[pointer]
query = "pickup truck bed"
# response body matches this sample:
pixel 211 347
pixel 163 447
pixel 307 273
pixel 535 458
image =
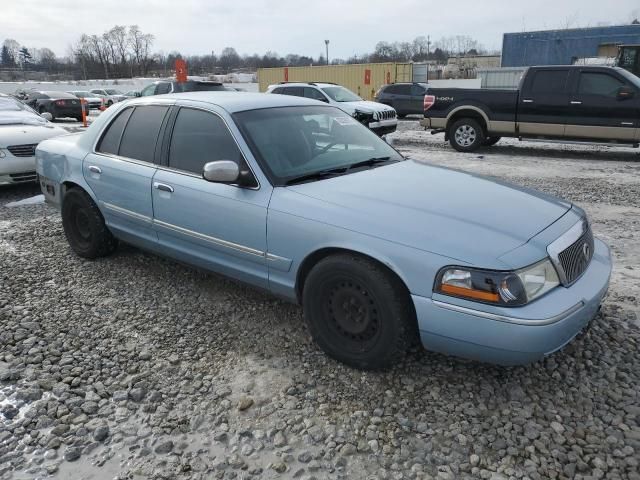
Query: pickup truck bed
pixel 565 103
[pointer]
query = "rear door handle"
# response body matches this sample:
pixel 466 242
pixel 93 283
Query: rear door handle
pixel 94 169
pixel 163 186
pixel 576 102
pixel 526 100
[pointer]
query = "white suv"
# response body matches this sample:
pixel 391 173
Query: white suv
pixel 379 118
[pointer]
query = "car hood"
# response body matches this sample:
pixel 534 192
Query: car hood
pixel 20 134
pixel 466 217
pixel 363 106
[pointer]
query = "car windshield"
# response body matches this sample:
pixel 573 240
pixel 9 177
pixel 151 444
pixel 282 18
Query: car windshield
pixel 114 92
pixel 319 141
pixel 341 94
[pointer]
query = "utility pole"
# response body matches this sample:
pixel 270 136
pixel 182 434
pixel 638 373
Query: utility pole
pixel 326 43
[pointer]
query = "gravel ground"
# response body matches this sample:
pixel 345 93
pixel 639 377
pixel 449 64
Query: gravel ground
pixel 136 367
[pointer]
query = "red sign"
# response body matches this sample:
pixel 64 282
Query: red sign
pixel 286 74
pixel 367 77
pixel 181 70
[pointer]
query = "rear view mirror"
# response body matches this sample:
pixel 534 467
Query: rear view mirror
pixel 47 116
pixel 625 92
pixel 221 171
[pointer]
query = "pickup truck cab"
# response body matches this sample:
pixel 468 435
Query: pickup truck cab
pixel 557 103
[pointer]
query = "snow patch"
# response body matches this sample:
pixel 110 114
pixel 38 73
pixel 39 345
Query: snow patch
pixel 27 201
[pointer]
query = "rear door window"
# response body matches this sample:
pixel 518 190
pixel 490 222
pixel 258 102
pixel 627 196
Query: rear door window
pixel 110 142
pixel 200 137
pixel 549 81
pixel 141 133
pixel 295 91
pixel 164 87
pixel 403 89
pixel 417 91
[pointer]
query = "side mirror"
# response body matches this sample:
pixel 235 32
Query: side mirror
pixel 625 92
pixel 221 171
pixel 47 116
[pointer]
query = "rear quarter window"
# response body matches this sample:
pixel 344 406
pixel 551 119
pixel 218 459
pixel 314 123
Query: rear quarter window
pixel 110 142
pixel 141 133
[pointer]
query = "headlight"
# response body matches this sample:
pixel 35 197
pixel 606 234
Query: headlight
pixel 510 289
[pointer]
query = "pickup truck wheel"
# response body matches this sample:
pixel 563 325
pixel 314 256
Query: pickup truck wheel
pixel 489 141
pixel 357 312
pixel 466 135
pixel 84 226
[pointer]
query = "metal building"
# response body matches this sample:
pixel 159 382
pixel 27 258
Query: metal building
pixel 562 47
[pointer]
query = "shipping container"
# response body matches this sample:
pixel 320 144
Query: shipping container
pixel 363 79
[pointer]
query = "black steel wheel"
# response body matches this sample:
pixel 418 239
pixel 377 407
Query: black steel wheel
pixel 358 312
pixel 84 226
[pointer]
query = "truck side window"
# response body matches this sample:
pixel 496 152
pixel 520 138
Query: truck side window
pixel 549 81
pixel 592 83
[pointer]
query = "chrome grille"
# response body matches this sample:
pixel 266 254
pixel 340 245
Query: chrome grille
pixel 386 114
pixel 571 254
pixel 27 150
pixel 576 258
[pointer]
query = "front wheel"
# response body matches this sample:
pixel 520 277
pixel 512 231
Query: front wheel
pixel 84 226
pixel 357 312
pixel 466 135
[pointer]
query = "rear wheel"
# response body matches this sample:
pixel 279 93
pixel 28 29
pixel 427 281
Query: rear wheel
pixel 357 312
pixel 466 135
pixel 84 226
pixel 489 141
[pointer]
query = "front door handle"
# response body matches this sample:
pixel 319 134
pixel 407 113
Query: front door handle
pixel 163 186
pixel 94 169
pixel 576 102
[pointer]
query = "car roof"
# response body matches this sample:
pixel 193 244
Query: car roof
pixel 233 101
pixel 304 84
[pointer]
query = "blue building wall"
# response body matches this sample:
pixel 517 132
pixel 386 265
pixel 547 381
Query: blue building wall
pixel 560 47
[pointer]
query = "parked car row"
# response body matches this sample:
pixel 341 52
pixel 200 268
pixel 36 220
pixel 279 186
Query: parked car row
pixel 21 129
pixel 381 251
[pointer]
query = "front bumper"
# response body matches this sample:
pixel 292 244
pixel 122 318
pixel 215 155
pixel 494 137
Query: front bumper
pixel 514 336
pixel 383 127
pixel 17 169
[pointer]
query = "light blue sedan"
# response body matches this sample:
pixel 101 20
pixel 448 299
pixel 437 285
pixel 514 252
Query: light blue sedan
pixel 296 197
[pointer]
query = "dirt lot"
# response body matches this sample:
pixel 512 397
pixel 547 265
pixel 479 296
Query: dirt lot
pixel 136 367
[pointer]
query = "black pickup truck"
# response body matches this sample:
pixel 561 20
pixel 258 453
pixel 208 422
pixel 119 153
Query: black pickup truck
pixel 558 103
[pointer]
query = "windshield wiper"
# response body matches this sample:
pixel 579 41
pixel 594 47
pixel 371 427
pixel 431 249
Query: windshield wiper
pixel 332 172
pixel 370 162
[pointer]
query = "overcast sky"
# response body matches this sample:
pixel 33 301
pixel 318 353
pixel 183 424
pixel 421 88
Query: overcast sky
pixel 297 26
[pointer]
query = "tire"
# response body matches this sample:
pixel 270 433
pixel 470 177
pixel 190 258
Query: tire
pixel 466 135
pixel 490 141
pixel 344 286
pixel 84 226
